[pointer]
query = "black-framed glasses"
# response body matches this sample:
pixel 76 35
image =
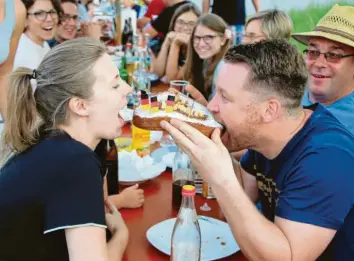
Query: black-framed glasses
pixel 208 39
pixel 42 15
pixel 189 25
pixel 68 17
pixel 330 57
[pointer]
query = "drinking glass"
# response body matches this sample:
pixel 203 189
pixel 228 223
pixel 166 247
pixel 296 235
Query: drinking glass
pixel 179 85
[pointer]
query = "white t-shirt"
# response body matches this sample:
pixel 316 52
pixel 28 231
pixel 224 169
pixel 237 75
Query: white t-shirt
pixel 29 54
pixel 198 3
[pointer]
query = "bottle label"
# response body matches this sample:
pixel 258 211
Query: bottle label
pixel 141 141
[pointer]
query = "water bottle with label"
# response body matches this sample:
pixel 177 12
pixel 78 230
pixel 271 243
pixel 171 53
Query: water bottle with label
pixel 186 237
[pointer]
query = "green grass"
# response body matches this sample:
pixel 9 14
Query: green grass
pixel 306 19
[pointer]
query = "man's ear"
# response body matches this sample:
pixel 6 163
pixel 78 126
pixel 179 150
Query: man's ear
pixel 271 110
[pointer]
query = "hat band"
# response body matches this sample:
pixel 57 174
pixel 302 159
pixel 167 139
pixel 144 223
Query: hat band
pixel 334 31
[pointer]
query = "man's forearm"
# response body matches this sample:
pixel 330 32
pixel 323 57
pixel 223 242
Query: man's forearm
pixel 256 4
pixel 258 238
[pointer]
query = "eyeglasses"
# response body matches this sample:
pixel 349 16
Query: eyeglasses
pixel 330 57
pixel 42 15
pixel 206 39
pixel 67 17
pixel 189 25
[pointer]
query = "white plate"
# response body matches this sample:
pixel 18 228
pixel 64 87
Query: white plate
pixel 127 177
pixel 165 155
pixel 217 239
pixel 130 173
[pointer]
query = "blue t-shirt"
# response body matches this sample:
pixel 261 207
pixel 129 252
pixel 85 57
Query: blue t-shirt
pixel 311 180
pixel 342 109
pixel 52 186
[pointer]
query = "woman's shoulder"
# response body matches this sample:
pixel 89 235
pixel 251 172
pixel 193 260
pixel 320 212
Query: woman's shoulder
pixel 61 143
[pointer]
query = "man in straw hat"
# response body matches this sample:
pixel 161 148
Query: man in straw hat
pixel 330 61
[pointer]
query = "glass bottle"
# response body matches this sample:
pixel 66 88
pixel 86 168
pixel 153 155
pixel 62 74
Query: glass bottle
pixel 186 236
pixel 130 63
pixel 107 153
pixel 182 175
pixel 148 56
pixel 112 168
pixel 141 81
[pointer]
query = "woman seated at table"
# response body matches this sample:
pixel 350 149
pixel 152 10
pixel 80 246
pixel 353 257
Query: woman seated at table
pixel 268 24
pixel 42 19
pixel 210 40
pixel 173 52
pixel 51 192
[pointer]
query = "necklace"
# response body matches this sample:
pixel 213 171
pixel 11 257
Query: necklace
pixel 302 122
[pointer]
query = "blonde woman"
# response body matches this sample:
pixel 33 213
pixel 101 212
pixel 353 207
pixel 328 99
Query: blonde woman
pixel 51 191
pixel 269 24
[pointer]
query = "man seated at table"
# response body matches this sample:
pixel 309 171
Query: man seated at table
pixel 299 162
pixel 67 29
pixel 331 74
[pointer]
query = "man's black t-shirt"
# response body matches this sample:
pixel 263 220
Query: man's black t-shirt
pixel 162 23
pixel 232 11
pixel 52 186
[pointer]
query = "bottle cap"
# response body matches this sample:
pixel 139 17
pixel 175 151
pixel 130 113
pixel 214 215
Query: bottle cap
pixel 188 191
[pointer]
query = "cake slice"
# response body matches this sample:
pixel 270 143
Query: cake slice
pixel 169 105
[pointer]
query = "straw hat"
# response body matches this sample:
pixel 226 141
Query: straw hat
pixel 337 25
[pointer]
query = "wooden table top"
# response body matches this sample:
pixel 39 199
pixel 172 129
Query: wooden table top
pixel 157 208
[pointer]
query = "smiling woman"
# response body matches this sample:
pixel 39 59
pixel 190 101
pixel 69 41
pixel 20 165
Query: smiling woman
pixel 42 19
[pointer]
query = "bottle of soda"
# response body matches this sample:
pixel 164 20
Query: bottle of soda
pixel 186 236
pixel 182 175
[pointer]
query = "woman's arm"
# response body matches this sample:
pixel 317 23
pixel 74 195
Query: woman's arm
pixel 160 63
pixel 7 66
pixel 172 62
pixel 89 242
pixel 173 70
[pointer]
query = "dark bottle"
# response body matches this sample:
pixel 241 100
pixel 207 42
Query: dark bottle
pixel 127 36
pixel 182 175
pixel 107 153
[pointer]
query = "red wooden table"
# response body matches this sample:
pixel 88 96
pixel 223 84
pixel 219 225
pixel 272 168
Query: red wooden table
pixel 157 208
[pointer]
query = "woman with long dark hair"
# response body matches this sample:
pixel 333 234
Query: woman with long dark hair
pixel 208 44
pixel 172 56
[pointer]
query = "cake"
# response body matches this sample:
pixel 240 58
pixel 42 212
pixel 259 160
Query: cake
pixel 169 105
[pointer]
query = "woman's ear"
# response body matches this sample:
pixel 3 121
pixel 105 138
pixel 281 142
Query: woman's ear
pixel 78 106
pixel 223 41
